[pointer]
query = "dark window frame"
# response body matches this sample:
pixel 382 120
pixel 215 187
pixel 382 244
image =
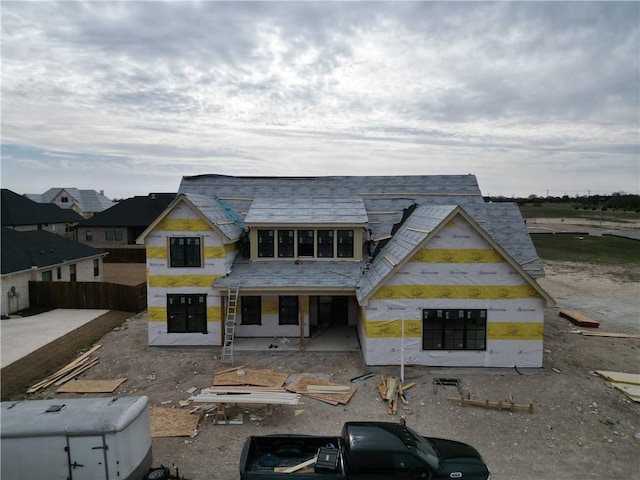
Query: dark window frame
pixel 286 243
pixel 306 243
pixel 345 239
pixel 325 243
pixel 454 329
pixel 266 243
pixel 88 236
pixel 185 252
pixel 288 306
pixel 73 275
pixel 186 317
pixel 58 273
pixel 96 267
pixel 251 310
pixel 47 276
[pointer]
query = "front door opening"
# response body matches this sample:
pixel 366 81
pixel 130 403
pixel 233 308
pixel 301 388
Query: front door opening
pixel 333 310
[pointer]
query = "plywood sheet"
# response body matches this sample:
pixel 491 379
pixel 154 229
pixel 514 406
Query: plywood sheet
pixel 632 391
pixel 579 319
pixel 91 386
pixel 300 386
pixel 173 422
pixel 259 378
pixel 620 377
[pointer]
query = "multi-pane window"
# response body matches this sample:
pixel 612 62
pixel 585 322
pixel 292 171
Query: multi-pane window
pixel 113 234
pixel 251 310
pixel 305 243
pixel 88 235
pixel 186 313
pixel 265 243
pixel 185 252
pixel 72 272
pixel 325 243
pixel 345 243
pixel 58 273
pixel 288 310
pixel 96 267
pixel 454 329
pixel 47 276
pixel 286 243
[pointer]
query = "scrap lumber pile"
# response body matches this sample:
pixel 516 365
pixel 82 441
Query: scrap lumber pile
pixel 627 383
pixel 392 390
pixel 246 395
pixel 81 364
pixel 579 319
pixel 328 392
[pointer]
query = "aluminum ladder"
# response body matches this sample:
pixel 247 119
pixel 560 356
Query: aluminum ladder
pixel 230 325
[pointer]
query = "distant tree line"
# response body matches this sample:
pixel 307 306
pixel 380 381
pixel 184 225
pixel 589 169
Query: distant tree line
pixel 617 201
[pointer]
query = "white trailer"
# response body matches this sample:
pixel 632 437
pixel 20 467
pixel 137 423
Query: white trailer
pixel 76 439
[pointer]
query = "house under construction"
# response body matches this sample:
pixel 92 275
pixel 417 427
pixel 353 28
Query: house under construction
pixel 420 266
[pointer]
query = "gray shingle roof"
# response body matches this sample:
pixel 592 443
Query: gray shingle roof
pixel 88 201
pixel 386 199
pixel 23 250
pixel 305 210
pixel 217 214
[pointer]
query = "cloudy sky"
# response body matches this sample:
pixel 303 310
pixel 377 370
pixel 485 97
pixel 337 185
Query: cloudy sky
pixel 127 97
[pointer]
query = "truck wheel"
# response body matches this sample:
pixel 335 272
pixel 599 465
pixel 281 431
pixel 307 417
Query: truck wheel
pixel 160 473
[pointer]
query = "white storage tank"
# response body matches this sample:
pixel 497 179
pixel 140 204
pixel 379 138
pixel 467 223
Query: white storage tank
pixel 76 439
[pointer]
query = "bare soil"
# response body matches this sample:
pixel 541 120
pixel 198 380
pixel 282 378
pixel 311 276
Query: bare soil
pixel 581 427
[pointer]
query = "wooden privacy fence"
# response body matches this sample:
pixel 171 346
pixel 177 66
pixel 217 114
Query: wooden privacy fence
pixel 99 295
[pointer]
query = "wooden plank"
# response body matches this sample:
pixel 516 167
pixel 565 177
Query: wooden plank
pixel 300 386
pixel 500 405
pixel 392 387
pixel 328 388
pixel 76 372
pixel 579 319
pixel 173 422
pixel 91 386
pixel 610 334
pixel 295 468
pixel 64 370
pixel 307 469
pixel 620 377
pixel 632 391
pixel 262 378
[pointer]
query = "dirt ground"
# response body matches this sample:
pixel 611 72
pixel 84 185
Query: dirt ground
pixel 581 427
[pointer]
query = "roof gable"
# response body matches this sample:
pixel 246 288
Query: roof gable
pixel 208 208
pixel 24 250
pixel 417 232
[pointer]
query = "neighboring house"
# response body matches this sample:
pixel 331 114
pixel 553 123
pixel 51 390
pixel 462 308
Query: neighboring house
pixel 423 269
pixel 22 214
pixel 42 256
pixel 121 224
pixel 85 202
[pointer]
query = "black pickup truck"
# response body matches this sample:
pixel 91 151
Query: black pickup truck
pixel 366 451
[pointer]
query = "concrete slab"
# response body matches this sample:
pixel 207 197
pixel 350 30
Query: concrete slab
pixel 331 339
pixel 21 336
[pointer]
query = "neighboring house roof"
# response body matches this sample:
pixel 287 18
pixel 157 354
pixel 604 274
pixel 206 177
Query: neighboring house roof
pixel 18 210
pixel 88 201
pixel 138 211
pixel 38 248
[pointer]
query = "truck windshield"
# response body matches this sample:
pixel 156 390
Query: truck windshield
pixel 425 450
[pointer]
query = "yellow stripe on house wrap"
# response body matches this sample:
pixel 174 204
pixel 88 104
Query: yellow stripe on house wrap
pixel 215 252
pixel 269 307
pixel 183 224
pixel 156 252
pixel 465 255
pixel 164 281
pixel 515 330
pixel 393 329
pixel 488 292
pixel 159 314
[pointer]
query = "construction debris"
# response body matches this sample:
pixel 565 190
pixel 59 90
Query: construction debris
pixel 447 382
pixel 392 391
pixel 500 405
pixel 579 319
pixel 245 395
pixel 91 386
pixel 328 392
pixel 69 371
pixel 628 383
pixel 245 376
pixel 173 422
